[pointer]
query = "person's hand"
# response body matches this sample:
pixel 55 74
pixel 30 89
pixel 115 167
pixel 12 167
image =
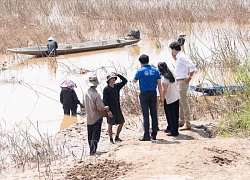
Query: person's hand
pixel 106 108
pixel 161 102
pixel 115 73
pixel 110 114
pixel 187 80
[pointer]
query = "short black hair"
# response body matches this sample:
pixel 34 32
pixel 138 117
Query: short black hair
pixel 175 45
pixel 144 59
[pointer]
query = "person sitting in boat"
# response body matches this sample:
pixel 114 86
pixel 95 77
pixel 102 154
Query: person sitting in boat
pixel 52 46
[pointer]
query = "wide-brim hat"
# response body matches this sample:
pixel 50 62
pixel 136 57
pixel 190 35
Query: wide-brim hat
pixel 93 81
pixel 51 39
pixel 111 76
pixel 68 84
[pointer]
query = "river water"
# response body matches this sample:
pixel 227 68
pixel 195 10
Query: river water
pixel 30 87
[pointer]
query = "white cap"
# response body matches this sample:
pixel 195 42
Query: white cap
pixel 51 39
pixel 182 34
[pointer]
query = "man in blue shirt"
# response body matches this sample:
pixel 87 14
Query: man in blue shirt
pixel 149 78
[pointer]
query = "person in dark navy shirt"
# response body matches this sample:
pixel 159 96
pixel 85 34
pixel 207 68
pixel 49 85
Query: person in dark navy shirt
pixel 149 78
pixel 111 98
pixel 52 47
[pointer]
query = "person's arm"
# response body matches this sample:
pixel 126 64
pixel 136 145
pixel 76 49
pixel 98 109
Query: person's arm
pixel 160 90
pixel 105 96
pixel 164 89
pixel 99 103
pixel 83 100
pixel 76 99
pixel 137 77
pixel 187 62
pixel 61 97
pixel 134 80
pixel 124 81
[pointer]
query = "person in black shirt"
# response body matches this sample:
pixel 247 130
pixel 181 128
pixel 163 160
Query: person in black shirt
pixel 68 97
pixel 111 98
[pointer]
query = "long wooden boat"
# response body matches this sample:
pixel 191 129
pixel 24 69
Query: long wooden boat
pixel 77 47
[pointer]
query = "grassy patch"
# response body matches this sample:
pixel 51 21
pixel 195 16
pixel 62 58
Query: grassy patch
pixel 236 124
pixel 236 121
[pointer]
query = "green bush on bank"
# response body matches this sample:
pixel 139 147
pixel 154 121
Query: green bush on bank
pixel 236 122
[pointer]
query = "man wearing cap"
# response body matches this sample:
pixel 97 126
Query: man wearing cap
pixel 111 98
pixel 184 70
pixel 95 111
pixel 149 78
pixel 52 46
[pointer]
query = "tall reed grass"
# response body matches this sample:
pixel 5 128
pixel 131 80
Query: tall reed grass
pixel 26 23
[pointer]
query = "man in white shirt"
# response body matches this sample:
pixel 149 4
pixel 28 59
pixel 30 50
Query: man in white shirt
pixel 184 71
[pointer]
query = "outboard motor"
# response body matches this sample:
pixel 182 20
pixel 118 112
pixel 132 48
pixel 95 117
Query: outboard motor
pixel 135 34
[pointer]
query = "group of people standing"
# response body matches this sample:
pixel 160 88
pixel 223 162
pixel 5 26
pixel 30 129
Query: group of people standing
pixel 172 87
pixel 95 107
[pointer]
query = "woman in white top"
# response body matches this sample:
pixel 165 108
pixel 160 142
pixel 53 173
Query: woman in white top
pixel 171 99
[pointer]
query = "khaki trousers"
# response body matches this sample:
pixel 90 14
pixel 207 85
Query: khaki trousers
pixel 184 105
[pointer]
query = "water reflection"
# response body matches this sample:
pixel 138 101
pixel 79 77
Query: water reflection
pixel 135 51
pixel 67 121
pixel 30 88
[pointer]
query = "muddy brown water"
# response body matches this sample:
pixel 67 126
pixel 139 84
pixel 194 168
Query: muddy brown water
pixel 30 87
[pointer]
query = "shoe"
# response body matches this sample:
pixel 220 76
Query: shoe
pixel 170 134
pixel 111 141
pixel 184 128
pixel 153 137
pixel 144 139
pixel 181 124
pixel 117 139
pixel 92 153
pixel 166 131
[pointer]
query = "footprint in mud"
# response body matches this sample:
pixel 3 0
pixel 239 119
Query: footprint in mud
pixel 99 169
pixel 223 156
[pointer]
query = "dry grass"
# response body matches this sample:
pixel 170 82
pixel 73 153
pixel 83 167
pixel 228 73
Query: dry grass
pixel 76 21
pixel 27 23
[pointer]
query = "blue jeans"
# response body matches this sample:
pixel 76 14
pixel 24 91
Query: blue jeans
pixel 148 101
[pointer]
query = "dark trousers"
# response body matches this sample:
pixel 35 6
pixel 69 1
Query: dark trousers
pixel 94 133
pixel 167 116
pixel 67 111
pixel 172 115
pixel 148 101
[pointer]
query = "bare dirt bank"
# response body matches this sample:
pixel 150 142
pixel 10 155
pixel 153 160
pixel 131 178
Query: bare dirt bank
pixel 191 155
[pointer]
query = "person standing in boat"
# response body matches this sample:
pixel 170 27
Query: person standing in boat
pixel 111 98
pixel 171 99
pixel 68 97
pixel 52 47
pixel 184 70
